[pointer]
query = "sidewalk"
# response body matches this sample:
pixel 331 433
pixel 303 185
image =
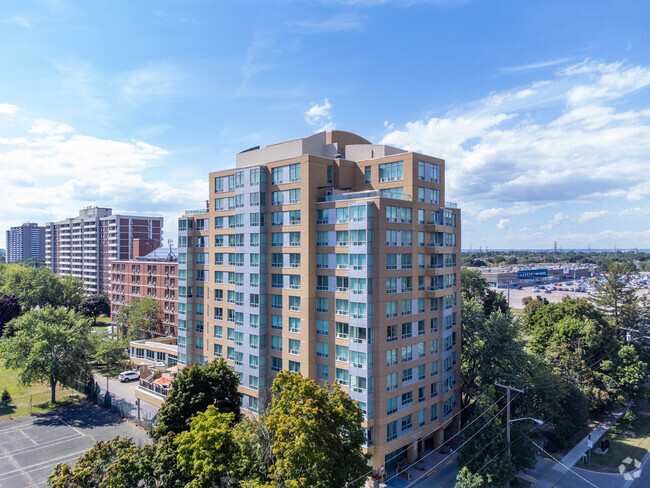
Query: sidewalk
pixel 433 470
pixel 548 476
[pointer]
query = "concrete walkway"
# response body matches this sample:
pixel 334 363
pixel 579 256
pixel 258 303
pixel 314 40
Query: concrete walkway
pixel 550 474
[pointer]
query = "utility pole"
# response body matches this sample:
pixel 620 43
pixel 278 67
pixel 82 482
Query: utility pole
pixel 508 388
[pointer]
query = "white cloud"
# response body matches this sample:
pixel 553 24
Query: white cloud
pixel 48 127
pixel 557 220
pixel 593 215
pixel 319 114
pixel 541 64
pixel 503 224
pixel 65 171
pixel 8 109
pixel 586 148
pixel 337 23
pixel 634 212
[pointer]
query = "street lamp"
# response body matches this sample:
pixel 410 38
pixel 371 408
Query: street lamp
pixel 511 421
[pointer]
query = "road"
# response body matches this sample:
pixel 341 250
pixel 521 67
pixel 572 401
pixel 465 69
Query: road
pixel 126 392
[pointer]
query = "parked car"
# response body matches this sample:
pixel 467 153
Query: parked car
pixel 125 376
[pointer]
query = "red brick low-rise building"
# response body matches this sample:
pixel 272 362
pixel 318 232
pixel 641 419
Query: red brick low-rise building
pixel 151 273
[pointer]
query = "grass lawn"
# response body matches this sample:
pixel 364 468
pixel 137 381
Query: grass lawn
pixel 628 438
pixel 38 393
pixel 103 320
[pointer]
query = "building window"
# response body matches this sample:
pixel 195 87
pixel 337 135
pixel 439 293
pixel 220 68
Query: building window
pixel 368 175
pixel 391 171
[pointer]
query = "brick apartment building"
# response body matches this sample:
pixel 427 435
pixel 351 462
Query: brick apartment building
pixel 339 259
pixel 84 246
pixel 153 273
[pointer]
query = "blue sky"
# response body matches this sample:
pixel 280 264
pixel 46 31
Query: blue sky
pixel 541 109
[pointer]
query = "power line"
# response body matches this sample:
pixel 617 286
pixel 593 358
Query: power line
pixel 560 462
pixel 465 442
pixel 414 443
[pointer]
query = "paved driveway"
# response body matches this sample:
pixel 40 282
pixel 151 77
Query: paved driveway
pixel 126 392
pixel 31 446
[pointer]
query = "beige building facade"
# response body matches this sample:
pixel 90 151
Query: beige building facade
pixel 338 259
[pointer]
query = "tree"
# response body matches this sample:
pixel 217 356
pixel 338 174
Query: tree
pixel 475 287
pixel 560 404
pixel 117 463
pixel 631 373
pixel 486 447
pixel 491 350
pixel 39 287
pixel 617 298
pixel 70 292
pixel 95 305
pixel 317 435
pixel 5 397
pixel 472 284
pixel 195 388
pixel 142 314
pixel 574 320
pixel 466 479
pixel 34 287
pixel 50 345
pixel 108 350
pixel 207 451
pixel 9 309
pixel 255 444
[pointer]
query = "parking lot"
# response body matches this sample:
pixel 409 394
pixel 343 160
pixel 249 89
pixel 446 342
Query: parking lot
pixel 556 296
pixel 31 446
pixel 516 296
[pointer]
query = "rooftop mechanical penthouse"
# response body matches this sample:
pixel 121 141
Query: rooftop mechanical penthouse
pixel 338 259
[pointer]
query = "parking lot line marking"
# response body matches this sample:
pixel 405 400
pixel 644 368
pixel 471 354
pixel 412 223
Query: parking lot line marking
pixel 50 443
pixel 41 464
pixel 76 430
pixel 21 431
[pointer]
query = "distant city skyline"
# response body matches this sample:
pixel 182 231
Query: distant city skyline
pixel 540 109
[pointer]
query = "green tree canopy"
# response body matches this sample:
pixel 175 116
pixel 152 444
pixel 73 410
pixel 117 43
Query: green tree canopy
pixel 9 309
pixel 93 306
pixel 117 463
pixel 207 451
pixel 491 350
pixel 141 315
pixel 576 320
pixel 69 293
pixel 49 345
pixel 39 287
pixel 485 450
pixel 195 388
pixel 466 479
pixel 317 435
pixel 108 350
pixel 617 298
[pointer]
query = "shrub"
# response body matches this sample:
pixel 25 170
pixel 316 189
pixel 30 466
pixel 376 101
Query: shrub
pixel 5 397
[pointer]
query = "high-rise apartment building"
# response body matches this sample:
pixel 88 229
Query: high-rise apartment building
pixel 83 246
pixel 338 259
pixel 25 242
pixel 152 272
